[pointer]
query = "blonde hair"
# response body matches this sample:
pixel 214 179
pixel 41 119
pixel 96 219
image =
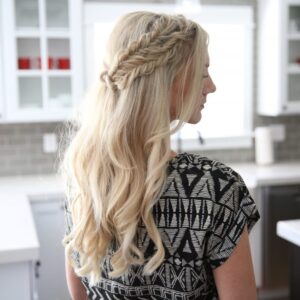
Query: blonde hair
pixel 114 165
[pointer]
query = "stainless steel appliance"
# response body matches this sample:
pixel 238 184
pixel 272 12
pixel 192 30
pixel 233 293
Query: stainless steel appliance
pixel 279 203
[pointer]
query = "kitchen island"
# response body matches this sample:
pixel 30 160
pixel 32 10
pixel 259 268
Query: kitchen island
pixel 290 231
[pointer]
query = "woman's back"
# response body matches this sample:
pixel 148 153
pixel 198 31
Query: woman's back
pixel 200 216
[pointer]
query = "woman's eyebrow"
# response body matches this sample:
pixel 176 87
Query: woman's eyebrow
pixel 207 65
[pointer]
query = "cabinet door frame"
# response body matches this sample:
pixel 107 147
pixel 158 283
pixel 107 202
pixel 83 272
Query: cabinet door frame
pixel 9 57
pixel 287 106
pixel 273 59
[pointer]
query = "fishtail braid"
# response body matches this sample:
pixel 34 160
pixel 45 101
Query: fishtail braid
pixel 151 50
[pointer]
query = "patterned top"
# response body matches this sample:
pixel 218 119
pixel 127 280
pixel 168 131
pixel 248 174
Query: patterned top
pixel 200 216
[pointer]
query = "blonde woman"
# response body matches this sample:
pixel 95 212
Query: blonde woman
pixel 144 222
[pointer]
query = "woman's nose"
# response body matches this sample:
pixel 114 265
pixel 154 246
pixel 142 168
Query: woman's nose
pixel 210 87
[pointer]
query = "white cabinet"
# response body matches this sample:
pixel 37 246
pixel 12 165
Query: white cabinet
pixel 42 58
pixel 1 68
pixel 278 57
pixel 50 277
pixel 16 281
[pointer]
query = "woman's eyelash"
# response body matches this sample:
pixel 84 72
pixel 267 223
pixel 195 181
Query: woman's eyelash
pixel 205 76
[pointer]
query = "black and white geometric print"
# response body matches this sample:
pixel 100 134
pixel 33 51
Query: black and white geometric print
pixel 200 216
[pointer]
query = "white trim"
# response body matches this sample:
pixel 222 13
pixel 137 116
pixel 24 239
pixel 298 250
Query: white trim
pixel 43 52
pixel 35 116
pixel 2 91
pixel 224 14
pixel 105 11
pixel 9 62
pixel 284 58
pixel 234 142
pixel 249 101
pixel 27 33
pixel 76 50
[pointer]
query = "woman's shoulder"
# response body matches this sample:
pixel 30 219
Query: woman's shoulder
pixel 194 163
pixel 221 188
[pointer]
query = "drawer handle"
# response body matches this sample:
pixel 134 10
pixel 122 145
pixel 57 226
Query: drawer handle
pixel 36 269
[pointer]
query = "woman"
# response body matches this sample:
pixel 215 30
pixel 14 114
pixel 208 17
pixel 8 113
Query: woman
pixel 142 221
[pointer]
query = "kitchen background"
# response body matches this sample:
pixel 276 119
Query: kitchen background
pixel 21 150
pixel 32 208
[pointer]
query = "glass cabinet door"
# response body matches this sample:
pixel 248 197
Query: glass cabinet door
pixel 28 54
pixel 59 79
pixel 43 62
pixel 29 80
pixel 294 88
pixel 293 78
pixel 30 92
pixel 42 76
pixel 59 92
pixel 27 14
pixel 57 14
pixel 294 19
pixel 58 54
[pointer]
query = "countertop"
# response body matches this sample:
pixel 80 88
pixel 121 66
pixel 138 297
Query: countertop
pixel 18 238
pixel 276 174
pixel 289 230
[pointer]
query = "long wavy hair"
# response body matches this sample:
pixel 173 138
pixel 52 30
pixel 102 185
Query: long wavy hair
pixel 117 145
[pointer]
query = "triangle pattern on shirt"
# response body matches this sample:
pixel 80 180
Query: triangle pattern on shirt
pixel 191 178
pixel 187 247
pixel 222 183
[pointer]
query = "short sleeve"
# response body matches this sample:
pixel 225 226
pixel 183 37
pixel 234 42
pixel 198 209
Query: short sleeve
pixel 235 209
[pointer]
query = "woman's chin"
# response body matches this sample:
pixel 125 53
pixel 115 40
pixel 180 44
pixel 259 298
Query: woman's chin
pixel 195 119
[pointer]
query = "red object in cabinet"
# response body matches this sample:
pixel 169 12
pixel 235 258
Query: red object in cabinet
pixel 64 63
pixel 50 63
pixel 24 63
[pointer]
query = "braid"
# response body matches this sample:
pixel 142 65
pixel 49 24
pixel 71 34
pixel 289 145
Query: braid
pixel 142 42
pixel 152 50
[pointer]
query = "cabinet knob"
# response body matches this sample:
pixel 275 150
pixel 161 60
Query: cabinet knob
pixel 36 269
